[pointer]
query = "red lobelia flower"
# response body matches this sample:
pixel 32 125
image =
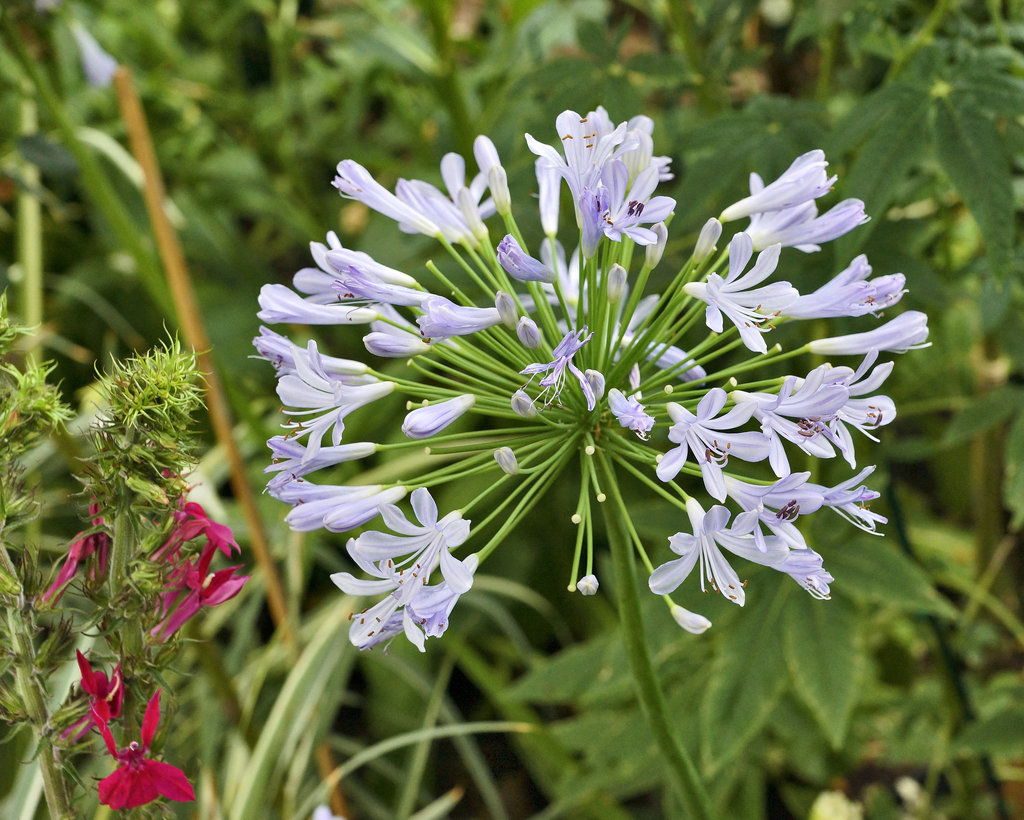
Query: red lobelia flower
pixel 139 780
pixel 105 694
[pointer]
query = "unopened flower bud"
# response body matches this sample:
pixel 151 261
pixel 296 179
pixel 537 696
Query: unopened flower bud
pixel 690 621
pixel 522 405
pixel 520 265
pixel 616 283
pixel 634 377
pixel 506 309
pixel 528 333
pixel 468 208
pixel 426 421
pixel 596 381
pixel 507 460
pixel 497 181
pixel 654 251
pixel 707 240
pixel 587 585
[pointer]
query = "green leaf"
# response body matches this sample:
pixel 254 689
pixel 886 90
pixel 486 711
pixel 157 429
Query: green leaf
pixel 747 677
pixel 971 153
pixel 1001 734
pixel 883 160
pixel 874 569
pixel 982 413
pixel 824 659
pixel 570 674
pixel 1013 481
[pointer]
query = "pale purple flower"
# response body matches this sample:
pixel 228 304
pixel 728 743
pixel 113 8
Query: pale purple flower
pixel 630 413
pixel 805 567
pixel 354 285
pixel 98 66
pixel 849 293
pixel 630 206
pixel 908 331
pixel 776 506
pixel 403 562
pixel 555 380
pixel 315 505
pixel 507 310
pixel 706 438
pixel 520 265
pixel 443 318
pixel 799 413
pixel 590 211
pixel 588 144
pixel 355 182
pixel 640 157
pixel 800 227
pixel 282 352
pixel 315 392
pixel 522 404
pixel 852 501
pixel 394 337
pixel 292 460
pixel 424 422
pixel 862 414
pixel 749 309
pixel 549 181
pixel 282 304
pixel 710 531
pixel 588 585
pixel 803 181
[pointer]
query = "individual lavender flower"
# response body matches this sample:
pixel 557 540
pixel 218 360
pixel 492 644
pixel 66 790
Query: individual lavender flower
pixel 332 506
pixel 849 293
pixel 803 181
pixel 312 389
pixel 292 460
pixel 443 318
pixel 805 567
pixel 528 333
pixel 775 506
pixel 425 422
pixel 520 265
pixel 630 206
pixel 907 331
pixel 354 181
pixel 800 226
pixel 862 414
pixel 704 437
pixel 800 413
pixel 281 304
pixel 630 413
pixel 852 501
pixel 710 531
pixel 555 380
pixel 750 310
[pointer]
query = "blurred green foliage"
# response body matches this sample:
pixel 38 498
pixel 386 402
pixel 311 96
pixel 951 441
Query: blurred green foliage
pixel 910 675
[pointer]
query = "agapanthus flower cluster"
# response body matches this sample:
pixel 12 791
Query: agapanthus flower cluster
pixel 522 363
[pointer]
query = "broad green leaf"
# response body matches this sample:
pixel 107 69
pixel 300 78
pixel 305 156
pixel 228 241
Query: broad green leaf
pixel 569 674
pixel 971 152
pixel 825 660
pixel 1001 734
pixel 982 413
pixel 882 162
pixel 747 677
pixel 875 569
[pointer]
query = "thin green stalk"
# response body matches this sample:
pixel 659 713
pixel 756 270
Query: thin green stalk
pixel 29 689
pixel 681 769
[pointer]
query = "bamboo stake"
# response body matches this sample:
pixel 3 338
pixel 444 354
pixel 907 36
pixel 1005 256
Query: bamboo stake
pixel 191 323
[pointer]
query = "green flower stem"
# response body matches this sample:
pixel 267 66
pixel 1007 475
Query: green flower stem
pixel 121 548
pixel 30 691
pixel 465 266
pixel 533 492
pixel 30 230
pixel 681 770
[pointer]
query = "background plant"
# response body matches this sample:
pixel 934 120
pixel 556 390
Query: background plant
pixel 251 105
